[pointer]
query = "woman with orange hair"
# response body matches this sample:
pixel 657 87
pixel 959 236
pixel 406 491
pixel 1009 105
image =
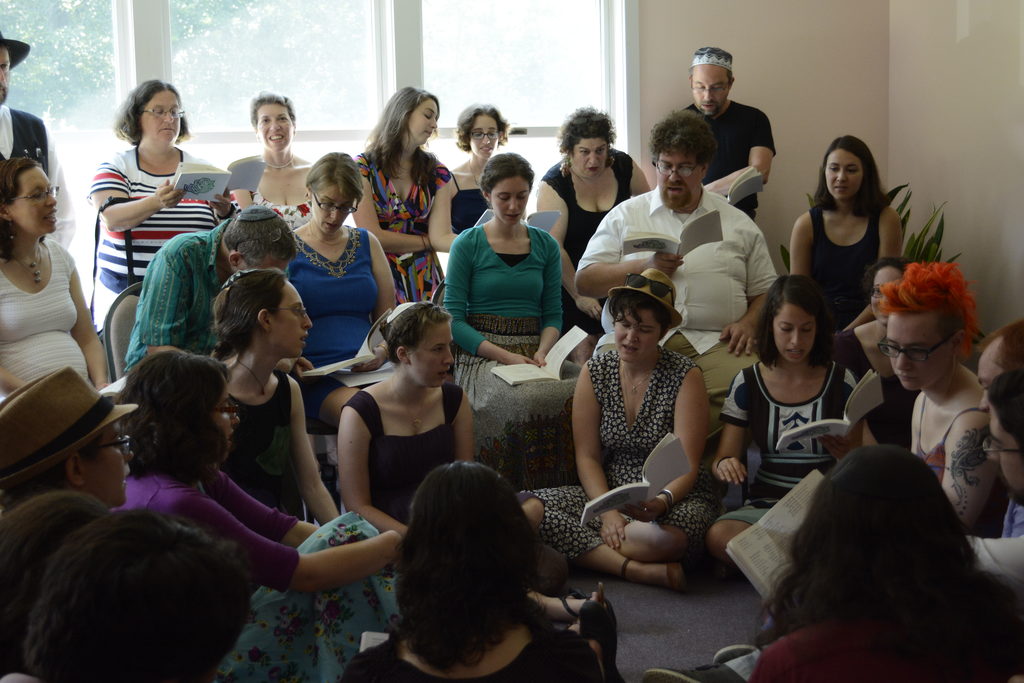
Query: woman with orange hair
pixel 932 321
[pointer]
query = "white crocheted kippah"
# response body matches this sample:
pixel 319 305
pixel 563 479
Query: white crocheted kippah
pixel 715 56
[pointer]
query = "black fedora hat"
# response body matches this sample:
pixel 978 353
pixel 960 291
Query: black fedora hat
pixel 15 48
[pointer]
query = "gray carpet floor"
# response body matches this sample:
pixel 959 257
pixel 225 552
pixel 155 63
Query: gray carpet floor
pixel 660 628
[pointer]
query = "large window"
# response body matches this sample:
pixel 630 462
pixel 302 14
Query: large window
pixel 320 53
pixel 339 60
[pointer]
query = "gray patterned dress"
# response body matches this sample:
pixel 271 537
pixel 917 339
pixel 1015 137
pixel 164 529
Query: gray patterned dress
pixel 625 449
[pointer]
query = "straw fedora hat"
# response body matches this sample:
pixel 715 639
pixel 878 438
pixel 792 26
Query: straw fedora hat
pixel 655 284
pixel 48 419
pixel 16 49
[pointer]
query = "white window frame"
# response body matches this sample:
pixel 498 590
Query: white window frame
pixel 142 31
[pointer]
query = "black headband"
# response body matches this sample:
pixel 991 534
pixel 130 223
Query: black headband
pixel 79 429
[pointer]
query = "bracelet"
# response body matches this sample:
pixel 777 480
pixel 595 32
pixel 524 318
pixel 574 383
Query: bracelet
pixel 426 244
pixel 671 499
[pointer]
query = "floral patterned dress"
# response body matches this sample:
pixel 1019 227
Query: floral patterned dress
pixel 417 273
pixel 625 448
pixel 299 637
pixel 295 216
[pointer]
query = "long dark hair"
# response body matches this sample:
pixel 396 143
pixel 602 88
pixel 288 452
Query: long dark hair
pixel 173 431
pixel 468 560
pixel 881 542
pixel 871 198
pixel 387 139
pixel 804 292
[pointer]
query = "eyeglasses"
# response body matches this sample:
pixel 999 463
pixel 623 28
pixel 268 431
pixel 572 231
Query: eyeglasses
pixel 714 90
pixel 914 353
pixel 40 196
pixel 876 292
pixel 480 135
pixel 330 207
pixel 300 312
pixel 990 445
pixel 161 113
pixel 658 289
pixel 667 169
pixel 228 408
pixel 123 444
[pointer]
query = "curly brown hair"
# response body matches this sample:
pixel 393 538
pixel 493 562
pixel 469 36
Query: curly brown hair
pixel 10 172
pixel 584 123
pixel 173 431
pixel 464 126
pixel 409 328
pixel 684 132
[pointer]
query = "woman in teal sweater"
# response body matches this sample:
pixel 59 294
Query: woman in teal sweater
pixel 503 292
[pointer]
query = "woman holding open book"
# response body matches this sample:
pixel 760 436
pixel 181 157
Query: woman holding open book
pixel 342 275
pixel 626 401
pixel 283 185
pixel 850 226
pixel 134 192
pixel 502 290
pixel 795 382
pixel 259 319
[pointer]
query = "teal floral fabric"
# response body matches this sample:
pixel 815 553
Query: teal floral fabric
pixel 296 637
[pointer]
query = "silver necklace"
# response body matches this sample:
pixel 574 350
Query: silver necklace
pixel 290 162
pixel 32 267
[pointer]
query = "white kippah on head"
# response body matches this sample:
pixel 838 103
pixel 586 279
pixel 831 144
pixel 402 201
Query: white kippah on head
pixel 715 56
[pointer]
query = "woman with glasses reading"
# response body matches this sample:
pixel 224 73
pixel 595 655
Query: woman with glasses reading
pixel 44 321
pixel 849 227
pixel 591 178
pixel 283 185
pixel 343 277
pixel 481 129
pixel 260 320
pixel 183 429
pixel 133 192
pixel 932 323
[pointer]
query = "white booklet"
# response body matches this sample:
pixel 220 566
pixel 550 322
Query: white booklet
pixel 746 184
pixel 703 229
pixel 762 550
pixel 201 181
pixel 524 372
pixel 863 399
pixel 666 462
pixel 246 173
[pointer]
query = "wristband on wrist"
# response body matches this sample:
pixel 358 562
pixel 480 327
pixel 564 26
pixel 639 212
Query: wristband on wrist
pixel 671 499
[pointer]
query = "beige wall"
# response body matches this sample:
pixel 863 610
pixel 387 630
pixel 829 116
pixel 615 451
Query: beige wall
pixel 956 125
pixel 817 68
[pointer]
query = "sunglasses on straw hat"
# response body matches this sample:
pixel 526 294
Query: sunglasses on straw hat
pixel 655 284
pixel 43 422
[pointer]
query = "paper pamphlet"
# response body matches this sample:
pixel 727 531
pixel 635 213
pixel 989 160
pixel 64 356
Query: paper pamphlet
pixel 865 397
pixel 746 184
pixel 518 374
pixel 200 181
pixel 703 229
pixel 246 173
pixel 762 550
pixel 666 462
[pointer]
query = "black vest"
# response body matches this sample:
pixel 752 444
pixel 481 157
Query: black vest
pixel 29 138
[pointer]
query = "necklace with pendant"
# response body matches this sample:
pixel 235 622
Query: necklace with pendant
pixel 32 267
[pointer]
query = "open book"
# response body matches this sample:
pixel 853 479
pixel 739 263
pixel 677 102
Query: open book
pixel 762 550
pixel 703 229
pixel 864 398
pixel 519 374
pixel 246 173
pixel 365 353
pixel 666 462
pixel 746 184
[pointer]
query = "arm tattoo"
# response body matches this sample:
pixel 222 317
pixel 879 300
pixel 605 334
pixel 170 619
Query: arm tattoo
pixel 966 458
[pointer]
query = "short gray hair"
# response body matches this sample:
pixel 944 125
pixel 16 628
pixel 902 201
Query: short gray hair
pixel 257 233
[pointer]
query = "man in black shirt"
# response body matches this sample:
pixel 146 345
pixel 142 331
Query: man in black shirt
pixel 743 133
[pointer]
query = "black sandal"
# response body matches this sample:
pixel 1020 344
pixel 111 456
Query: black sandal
pixel 596 624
